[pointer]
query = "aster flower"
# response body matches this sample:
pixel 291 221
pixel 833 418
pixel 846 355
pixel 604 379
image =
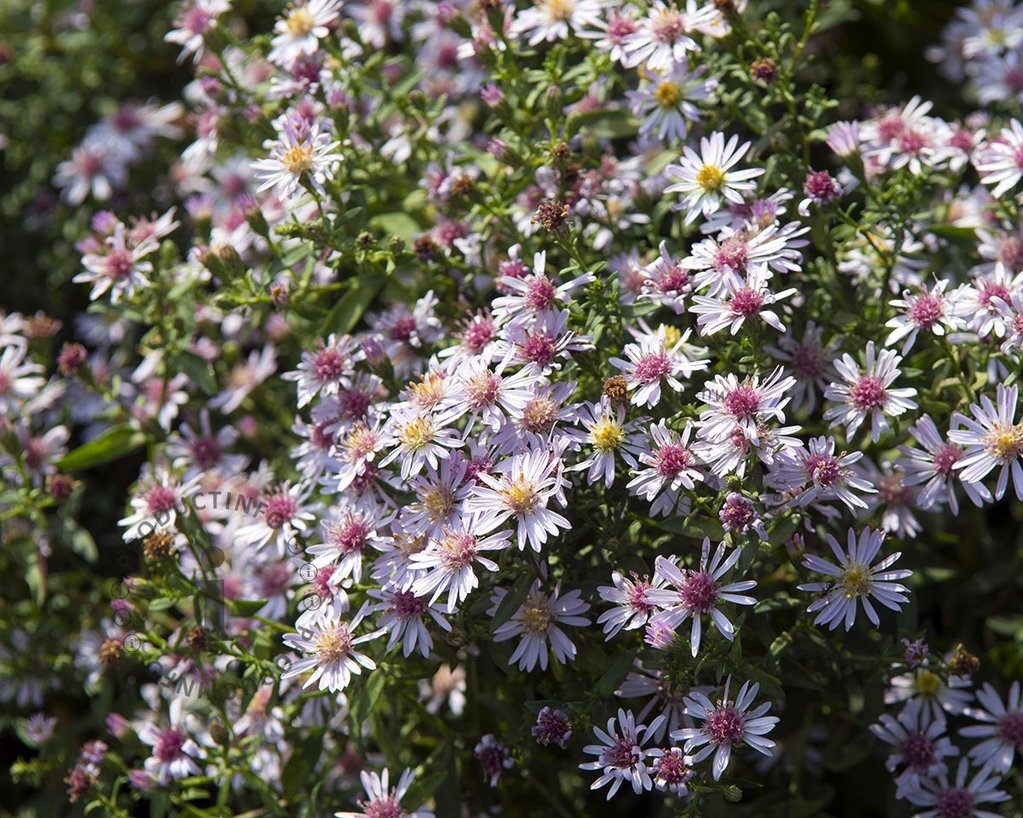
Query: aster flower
pixel 696 593
pixel 919 743
pixel 93 170
pixel 992 438
pixel 244 377
pixel 1000 162
pixel 934 465
pixel 538 623
pixel 300 31
pixel 1001 728
pixel 493 757
pixel 958 799
pixel 326 370
pixel 633 608
pixel 726 725
pixel 733 308
pixel 402 616
pixel 830 476
pixel 708 177
pixel 520 489
pixel 928 310
pixel 328 643
pixel 744 404
pixel 664 35
pixel 620 754
pixel 666 281
pixel 854 578
pixel 301 153
pixel 420 439
pixel 609 436
pixel 20 378
pixel 670 467
pixel 446 564
pixel 346 537
pixel 868 393
pixel 119 267
pixel 552 727
pixel 383 802
pixel 532 294
pixel 654 360
pixel 721 264
pixel 550 20
pixel 175 752
pixel 666 100
pixel 194 20
pixel 950 693
pixel 671 771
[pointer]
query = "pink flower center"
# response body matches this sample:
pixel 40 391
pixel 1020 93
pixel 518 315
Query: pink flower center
pixel 350 535
pixel 912 141
pixel 383 808
pixel 622 755
pixel 205 452
pixel 733 254
pixel 724 725
pixel 808 361
pixel 698 592
pixel 329 364
pixel 672 769
pixel 479 333
pixel 482 390
pixel 820 187
pixel 276 579
pixel 918 752
pixel 539 415
pixel 675 280
pixel 280 508
pixel 867 393
pixel 994 290
pixel 746 302
pixel 403 328
pixel 892 491
pixel 637 597
pixel 673 459
pixel 742 402
pixel 962 139
pixel 652 367
pixel 669 26
pixel 196 20
pixel 160 499
pixel 407 605
pixel 619 28
pixel 737 514
pixel 540 293
pixel 538 349
pixel 459 550
pixel 955 803
pixel 119 264
pixel 926 311
pixel 1010 253
pixel 1011 728
pixel 823 469
pixel 168 746
pixel 946 458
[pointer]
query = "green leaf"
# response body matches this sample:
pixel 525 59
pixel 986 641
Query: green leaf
pixel 83 544
pixel 112 444
pixel 366 695
pixel 245 607
pixel 398 224
pixel 347 312
pixel 615 674
pixel 198 371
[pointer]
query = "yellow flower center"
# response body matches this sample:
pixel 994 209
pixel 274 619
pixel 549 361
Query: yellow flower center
pixel 559 9
pixel 710 178
pixel 438 502
pixel 672 335
pixel 416 434
pixel 607 435
pixel 333 645
pixel 521 497
pixel 535 616
pixel 297 159
pixel 300 22
pixel 668 94
pixel 1005 442
pixel 855 580
pixel 927 684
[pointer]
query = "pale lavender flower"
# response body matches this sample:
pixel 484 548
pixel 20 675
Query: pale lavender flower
pixel 959 799
pixel 708 178
pixel 1001 728
pixel 868 393
pixel 620 754
pixel 992 438
pixel 538 622
pixel 382 801
pixel 919 742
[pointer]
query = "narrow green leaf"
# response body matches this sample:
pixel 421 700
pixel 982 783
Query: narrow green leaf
pixel 112 444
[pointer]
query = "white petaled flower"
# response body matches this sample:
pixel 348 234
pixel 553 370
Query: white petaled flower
pixel 420 439
pixel 446 565
pixel 928 310
pixel 855 579
pixel 935 466
pixel 992 438
pixel 383 802
pixel 521 489
pixel 609 435
pixel 670 467
pixel 747 301
pixel 697 593
pixel 720 264
pixel 746 404
pixel 656 358
pixel 175 752
pixel 537 622
pixel 960 798
pixel 663 37
pixel 20 378
pixel 924 686
pixel 194 20
pixel 119 267
pixel 534 293
pixel 620 754
pixel 666 101
pixel 402 616
pixel 550 20
pixel 633 606
pixel 326 370
pixel 868 393
pixel 708 178
pixel 671 771
pixel 726 725
pixel 300 31
pixel 816 474
pixel 346 539
pixel 919 742
pixel 1001 728
pixel 1000 162
pixel 328 642
pixel 299 154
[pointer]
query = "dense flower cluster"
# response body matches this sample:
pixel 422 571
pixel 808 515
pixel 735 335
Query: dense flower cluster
pixel 519 400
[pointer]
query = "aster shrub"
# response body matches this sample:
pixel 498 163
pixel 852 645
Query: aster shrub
pixel 567 408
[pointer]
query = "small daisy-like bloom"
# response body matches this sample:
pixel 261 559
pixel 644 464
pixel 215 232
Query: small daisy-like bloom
pixel 20 379
pixel 244 377
pixel 821 189
pixel 854 578
pixel 521 490
pixel 671 771
pixel 328 642
pixel 93 170
pixel 928 310
pixel 654 360
pixel 663 37
pixel 175 752
pixel 39 728
pixel 960 799
pixel 195 19
pixel 697 593
pixel 632 604
pixel 119 267
pixel 726 724
pixel 446 565
pixel 345 540
pixel 299 154
pixel 810 360
pixel 156 502
pixel 300 31
pixel 868 393
pixel 992 438
pixel 421 439
pixel 951 694
pixel 620 754
pixel 537 622
pixel 1000 162
pixel 1001 728
pixel 670 467
pixel 920 745
pixel 745 404
pixel 721 264
pixel 383 802
pixel 935 466
pixel 552 20
pixel 666 281
pixel 402 615
pixel 493 757
pixel 326 370
pixel 830 476
pixel 609 435
pixel 552 727
pixel 666 100
pixel 534 293
pixel 285 516
pixel 733 308
pixel 739 514
pixel 709 177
